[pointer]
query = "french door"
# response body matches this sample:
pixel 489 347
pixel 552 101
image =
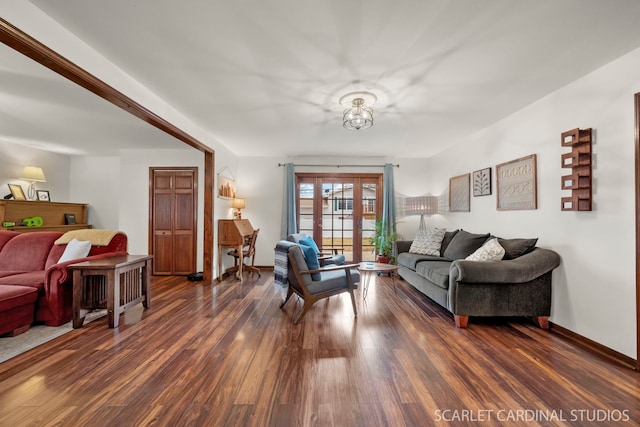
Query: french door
pixel 339 210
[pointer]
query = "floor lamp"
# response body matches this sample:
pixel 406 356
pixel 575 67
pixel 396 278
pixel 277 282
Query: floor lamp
pixel 422 205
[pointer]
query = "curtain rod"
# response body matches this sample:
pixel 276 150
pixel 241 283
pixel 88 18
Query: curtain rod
pixel 340 166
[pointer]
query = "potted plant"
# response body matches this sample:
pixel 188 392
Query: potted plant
pixel 383 240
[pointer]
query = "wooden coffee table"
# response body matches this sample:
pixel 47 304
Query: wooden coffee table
pixel 368 268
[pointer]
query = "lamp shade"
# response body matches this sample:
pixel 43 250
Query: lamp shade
pixel 237 203
pixel 423 205
pixel 32 173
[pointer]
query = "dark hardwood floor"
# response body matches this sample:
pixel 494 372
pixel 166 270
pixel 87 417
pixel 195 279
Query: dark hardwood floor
pixel 225 354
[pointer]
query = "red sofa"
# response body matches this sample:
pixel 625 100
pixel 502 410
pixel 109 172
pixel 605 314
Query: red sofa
pixel 30 260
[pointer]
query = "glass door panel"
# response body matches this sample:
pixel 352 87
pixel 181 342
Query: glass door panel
pixel 305 207
pixel 335 208
pixel 369 210
pixel 337 216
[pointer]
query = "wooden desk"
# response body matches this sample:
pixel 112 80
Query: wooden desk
pixel 121 282
pixel 233 233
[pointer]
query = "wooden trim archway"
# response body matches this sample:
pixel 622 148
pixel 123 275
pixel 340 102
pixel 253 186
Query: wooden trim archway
pixel 636 113
pixel 28 46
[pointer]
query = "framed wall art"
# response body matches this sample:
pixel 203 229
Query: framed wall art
pixel 17 192
pixel 516 184
pixel 459 193
pixel 226 184
pixel 482 182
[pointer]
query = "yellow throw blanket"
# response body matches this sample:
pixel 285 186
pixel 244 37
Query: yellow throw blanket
pixel 96 237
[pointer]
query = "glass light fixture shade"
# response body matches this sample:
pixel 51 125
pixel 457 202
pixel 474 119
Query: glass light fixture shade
pixel 358 116
pixel 33 174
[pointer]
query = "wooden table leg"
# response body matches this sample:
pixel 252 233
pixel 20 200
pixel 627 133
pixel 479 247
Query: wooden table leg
pixel 146 278
pixel 113 298
pixel 78 285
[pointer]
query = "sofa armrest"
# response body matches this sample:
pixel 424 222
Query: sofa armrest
pixel 520 270
pixel 403 246
pixel 59 273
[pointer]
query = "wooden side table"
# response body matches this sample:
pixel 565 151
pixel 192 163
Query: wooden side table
pixel 120 282
pixel 368 268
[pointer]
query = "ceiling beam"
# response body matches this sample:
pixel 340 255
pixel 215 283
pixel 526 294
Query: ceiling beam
pixel 27 45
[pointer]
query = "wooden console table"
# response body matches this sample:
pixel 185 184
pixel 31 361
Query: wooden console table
pixel 120 282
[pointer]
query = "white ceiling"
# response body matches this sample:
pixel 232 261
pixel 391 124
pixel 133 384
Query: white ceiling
pixel 264 76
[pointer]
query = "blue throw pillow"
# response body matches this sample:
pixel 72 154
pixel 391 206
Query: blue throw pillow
pixel 308 241
pixel 311 258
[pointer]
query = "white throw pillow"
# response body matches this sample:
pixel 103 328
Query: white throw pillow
pixel 428 242
pixel 491 250
pixel 75 249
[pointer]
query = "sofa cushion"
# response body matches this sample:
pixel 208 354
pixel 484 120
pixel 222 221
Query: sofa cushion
pixel 15 296
pixel 28 251
pixel 436 272
pixel 517 247
pixel 5 236
pixel 33 279
pixel 333 279
pixel 428 242
pixel 447 239
pixel 491 250
pixel 464 244
pixel 408 260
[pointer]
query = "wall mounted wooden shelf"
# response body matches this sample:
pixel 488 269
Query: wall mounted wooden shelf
pixel 579 161
pixel 52 214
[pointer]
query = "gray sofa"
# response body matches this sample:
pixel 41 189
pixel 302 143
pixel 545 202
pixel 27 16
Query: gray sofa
pixel 517 285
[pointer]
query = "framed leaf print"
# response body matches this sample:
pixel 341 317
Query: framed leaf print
pixel 482 182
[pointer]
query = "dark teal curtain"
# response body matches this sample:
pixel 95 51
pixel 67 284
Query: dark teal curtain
pixel 388 200
pixel 289 225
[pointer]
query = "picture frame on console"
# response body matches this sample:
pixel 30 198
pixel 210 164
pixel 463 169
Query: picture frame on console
pixel 70 219
pixel 43 195
pixel 17 192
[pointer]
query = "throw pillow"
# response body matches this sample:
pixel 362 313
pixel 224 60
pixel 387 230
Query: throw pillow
pixel 308 241
pixel 447 239
pixel 311 258
pixel 489 251
pixel 75 249
pixel 464 244
pixel 428 242
pixel 517 247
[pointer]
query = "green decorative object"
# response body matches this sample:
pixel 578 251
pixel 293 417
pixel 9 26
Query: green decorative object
pixel 34 221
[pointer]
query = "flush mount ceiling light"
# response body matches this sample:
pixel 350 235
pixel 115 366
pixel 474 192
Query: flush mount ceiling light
pixel 359 114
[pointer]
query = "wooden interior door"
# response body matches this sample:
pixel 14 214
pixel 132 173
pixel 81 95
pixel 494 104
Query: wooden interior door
pixel 173 220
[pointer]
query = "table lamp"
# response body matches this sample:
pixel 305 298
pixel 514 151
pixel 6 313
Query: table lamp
pixel 238 204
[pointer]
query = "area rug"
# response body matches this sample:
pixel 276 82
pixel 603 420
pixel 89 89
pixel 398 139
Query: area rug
pixel 38 335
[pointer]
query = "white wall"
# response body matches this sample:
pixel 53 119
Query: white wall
pixel 594 288
pixel 13 159
pixel 96 181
